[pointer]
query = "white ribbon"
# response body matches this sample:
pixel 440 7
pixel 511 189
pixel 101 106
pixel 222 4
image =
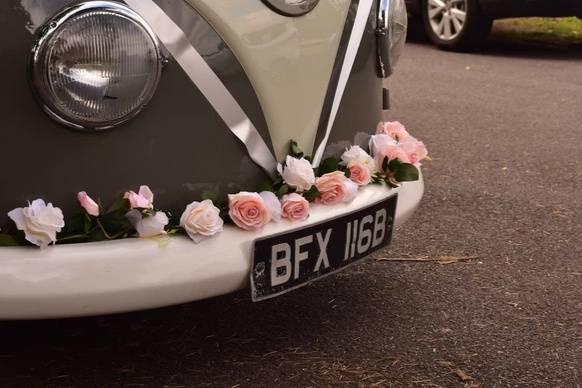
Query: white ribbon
pixel 360 22
pixel 206 81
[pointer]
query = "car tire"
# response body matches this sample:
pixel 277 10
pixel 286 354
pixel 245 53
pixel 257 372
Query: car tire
pixel 456 25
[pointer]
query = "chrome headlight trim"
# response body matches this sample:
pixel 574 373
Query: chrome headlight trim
pixel 392 19
pixel 38 72
pixel 292 7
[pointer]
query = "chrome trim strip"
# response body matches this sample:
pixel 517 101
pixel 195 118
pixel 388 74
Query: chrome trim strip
pixel 384 67
pixel 206 80
pixel 364 9
pixel 383 13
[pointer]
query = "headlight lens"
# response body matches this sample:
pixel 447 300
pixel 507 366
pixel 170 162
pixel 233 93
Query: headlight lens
pixel 96 65
pixel 391 34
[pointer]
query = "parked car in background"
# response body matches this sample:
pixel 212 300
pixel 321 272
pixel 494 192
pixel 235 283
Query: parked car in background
pixel 464 24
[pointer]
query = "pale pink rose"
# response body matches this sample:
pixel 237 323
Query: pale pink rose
pixel 143 199
pixel 394 129
pixel 332 188
pixel 415 150
pixel 377 142
pixel 355 153
pixel 201 220
pixel 40 222
pixel 392 152
pixel 248 210
pixel 295 207
pixel 273 204
pixel 297 173
pixel 351 190
pixel 88 204
pixel 148 226
pixel 360 172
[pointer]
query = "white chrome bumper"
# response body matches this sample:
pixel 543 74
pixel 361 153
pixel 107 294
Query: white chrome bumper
pixel 133 274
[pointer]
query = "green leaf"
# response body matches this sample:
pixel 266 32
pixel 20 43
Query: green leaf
pixel 266 186
pixel 119 206
pixel 278 180
pixel 174 216
pixel 294 150
pixel 72 239
pixel 172 230
pixel 311 194
pixel 406 172
pixel 7 240
pixel 147 212
pixel 97 235
pixel 328 165
pixel 283 190
pixel 347 172
pixel 74 225
pixel 114 224
pixel 393 165
pixel 377 178
pixel 211 195
pixel 87 223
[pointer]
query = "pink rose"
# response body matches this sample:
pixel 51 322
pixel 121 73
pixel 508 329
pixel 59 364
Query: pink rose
pixel 88 204
pixel 360 172
pixel 392 152
pixel 415 150
pixel 143 199
pixel 248 210
pixel 295 207
pixel 335 188
pixel 394 129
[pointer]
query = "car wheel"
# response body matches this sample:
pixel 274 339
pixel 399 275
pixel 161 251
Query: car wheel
pixel 457 25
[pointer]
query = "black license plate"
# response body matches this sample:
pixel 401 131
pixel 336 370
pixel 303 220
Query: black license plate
pixel 290 260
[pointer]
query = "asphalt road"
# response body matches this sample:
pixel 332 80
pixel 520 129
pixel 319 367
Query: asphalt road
pixel 504 127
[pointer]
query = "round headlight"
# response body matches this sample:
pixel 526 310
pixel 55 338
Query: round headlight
pixel 391 32
pixel 95 65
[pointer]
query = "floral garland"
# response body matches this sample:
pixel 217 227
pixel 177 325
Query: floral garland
pixel 394 157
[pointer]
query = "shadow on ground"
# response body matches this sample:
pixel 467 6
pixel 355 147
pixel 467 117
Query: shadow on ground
pixel 219 342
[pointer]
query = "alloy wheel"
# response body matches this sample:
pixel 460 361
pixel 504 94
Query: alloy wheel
pixel 447 17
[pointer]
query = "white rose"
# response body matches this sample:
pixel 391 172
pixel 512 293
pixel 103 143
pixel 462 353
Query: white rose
pixel 273 204
pixel 201 220
pixel 357 154
pixel 40 222
pixel 351 190
pixel 297 173
pixel 377 142
pixel 148 226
